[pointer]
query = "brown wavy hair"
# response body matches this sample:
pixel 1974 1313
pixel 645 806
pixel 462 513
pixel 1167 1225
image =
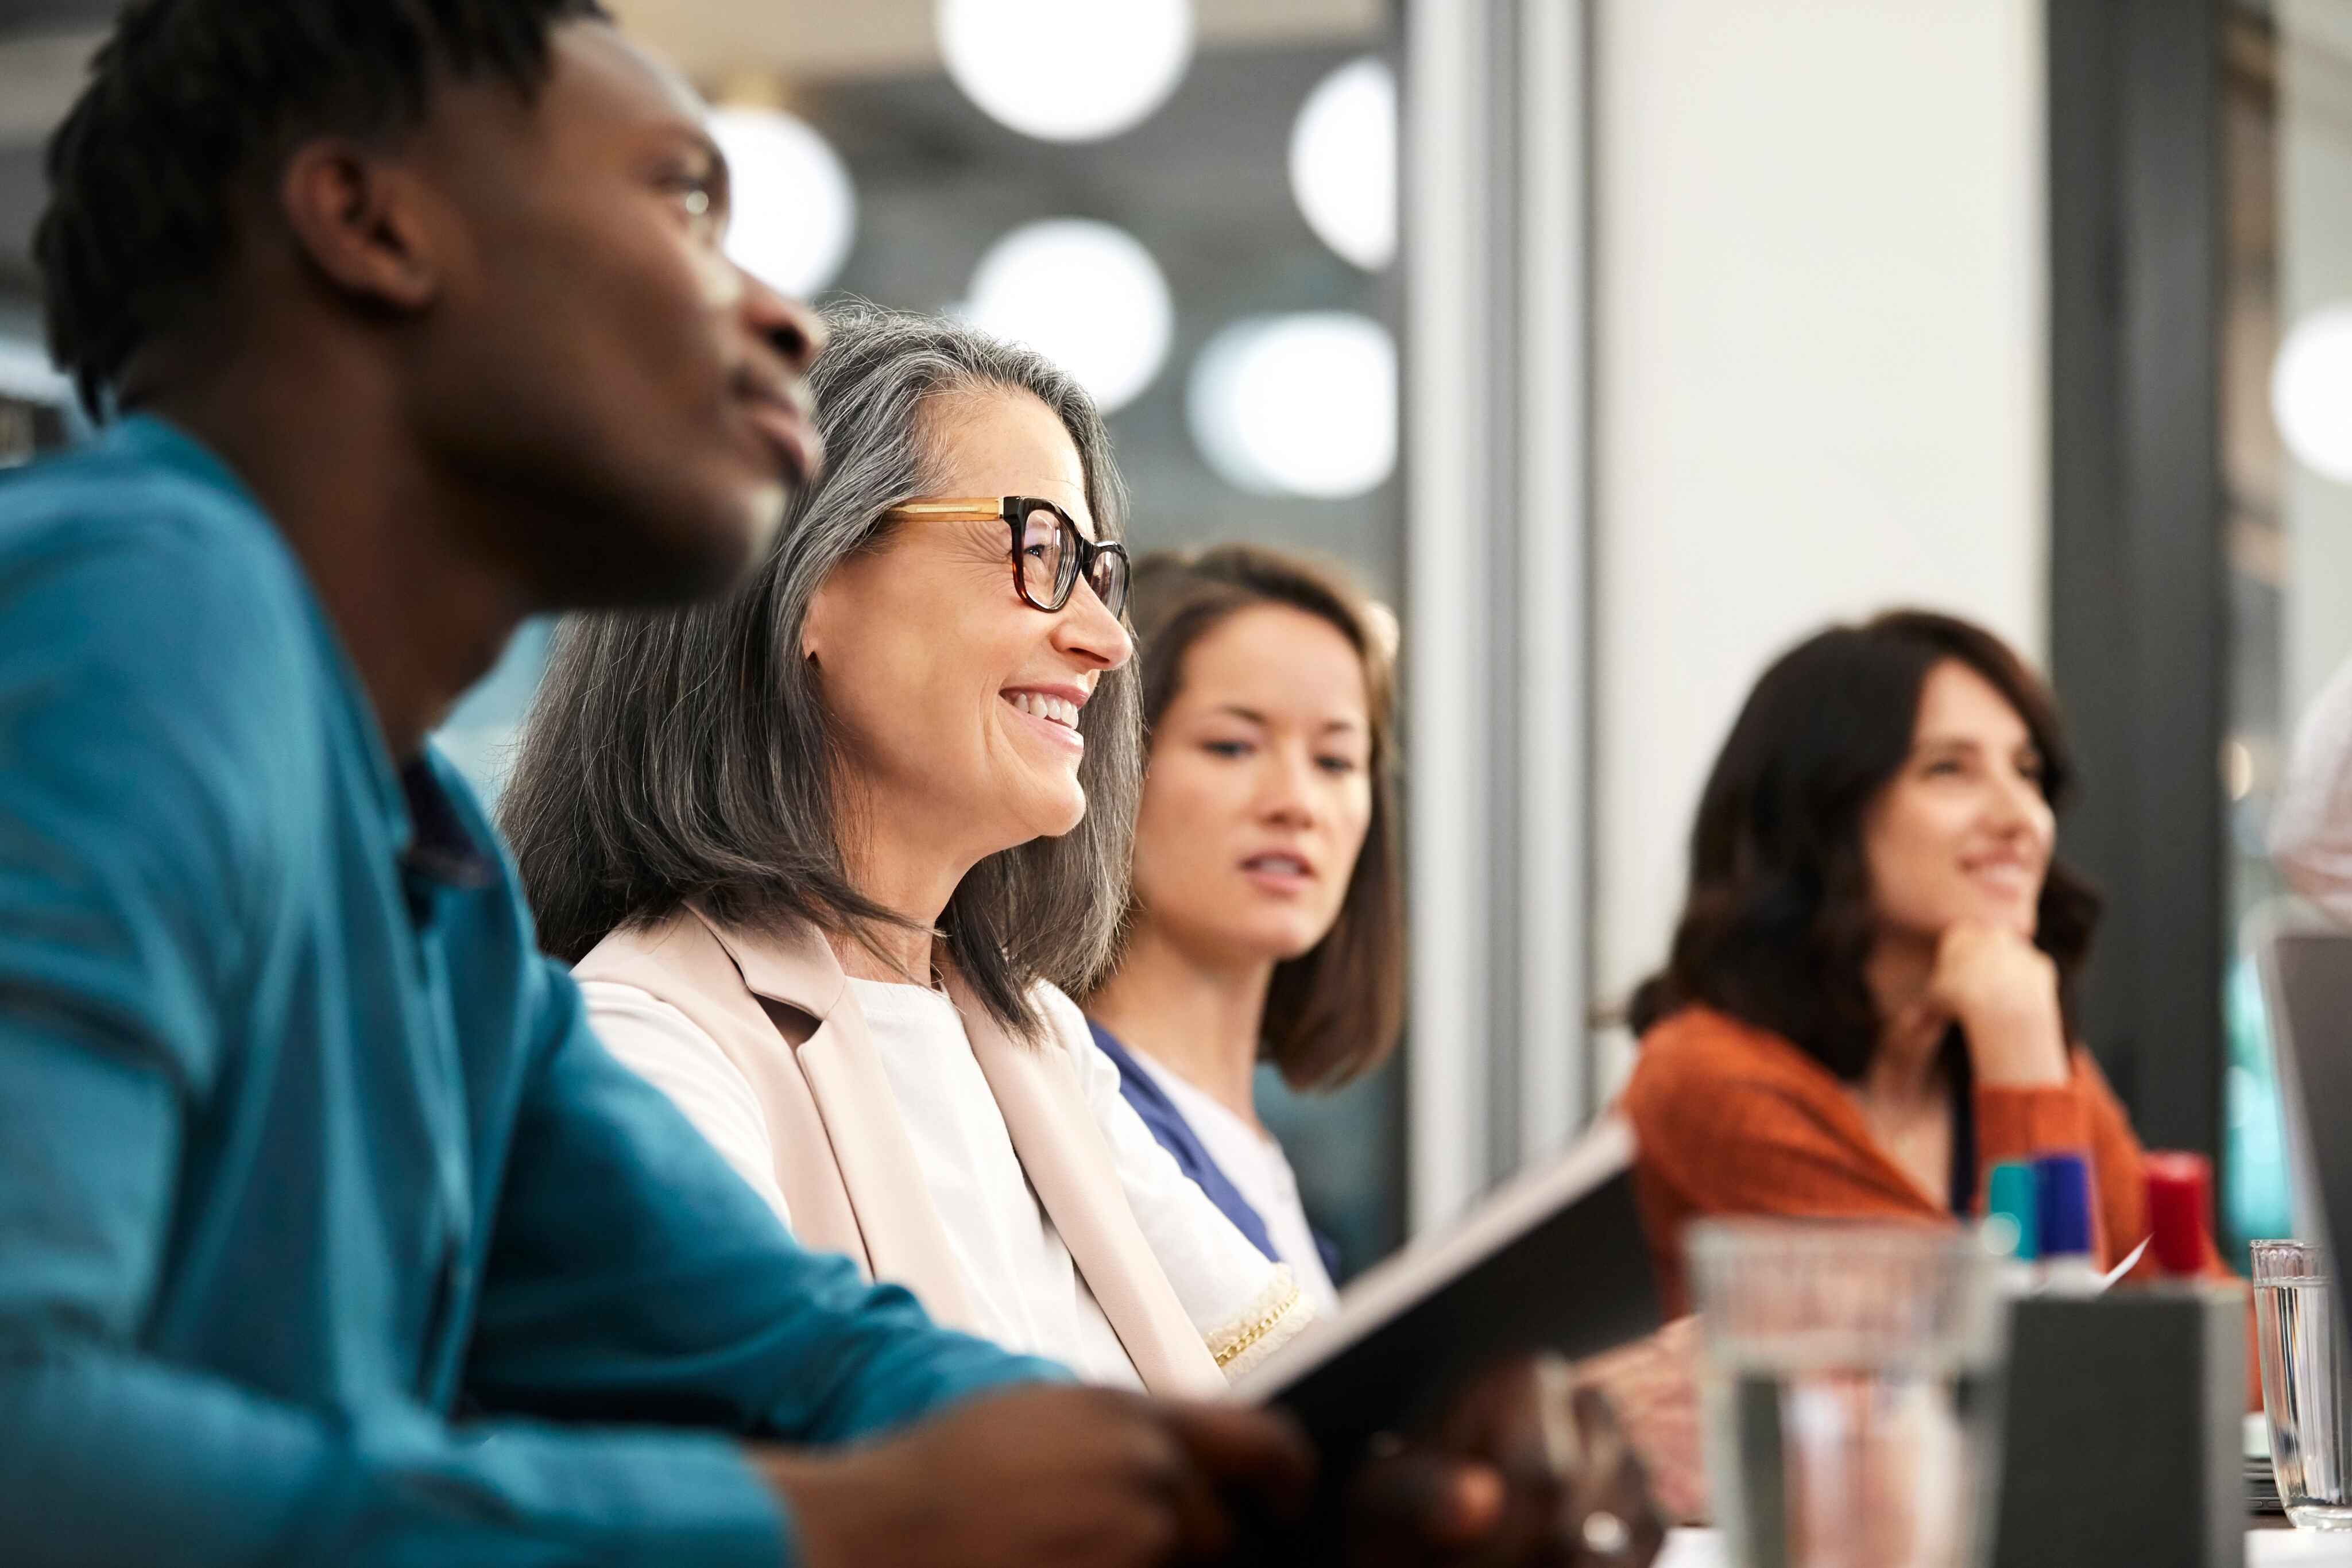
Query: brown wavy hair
pixel 1779 921
pixel 1336 1011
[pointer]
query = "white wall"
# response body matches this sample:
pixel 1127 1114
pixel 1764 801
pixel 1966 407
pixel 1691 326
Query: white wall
pixel 2315 271
pixel 1819 378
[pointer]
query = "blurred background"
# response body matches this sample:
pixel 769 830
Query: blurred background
pixel 1627 343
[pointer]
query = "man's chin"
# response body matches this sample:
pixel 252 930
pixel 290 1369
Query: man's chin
pixel 694 552
pixel 763 519
pixel 738 536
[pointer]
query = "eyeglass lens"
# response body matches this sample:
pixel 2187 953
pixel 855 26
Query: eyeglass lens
pixel 1051 547
pixel 1108 578
pixel 1046 559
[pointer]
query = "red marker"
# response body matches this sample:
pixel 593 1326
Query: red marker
pixel 2179 1211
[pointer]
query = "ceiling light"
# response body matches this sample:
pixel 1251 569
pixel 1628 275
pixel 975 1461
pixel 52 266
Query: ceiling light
pixel 1084 294
pixel 1343 163
pixel 1298 405
pixel 2311 392
pixel 794 211
pixel 1066 70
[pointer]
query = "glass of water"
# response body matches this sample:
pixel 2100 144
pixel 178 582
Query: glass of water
pixel 2296 1332
pixel 1852 1390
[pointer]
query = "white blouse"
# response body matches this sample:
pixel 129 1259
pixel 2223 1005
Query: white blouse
pixel 1029 1296
pixel 1259 1172
pixel 1253 1162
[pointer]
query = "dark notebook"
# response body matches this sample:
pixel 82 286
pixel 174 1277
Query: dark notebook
pixel 1554 1260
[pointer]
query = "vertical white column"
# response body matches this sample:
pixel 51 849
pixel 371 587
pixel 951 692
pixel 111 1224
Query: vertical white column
pixel 1495 592
pixel 1448 514
pixel 1554 1046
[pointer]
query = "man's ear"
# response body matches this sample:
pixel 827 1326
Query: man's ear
pixel 361 219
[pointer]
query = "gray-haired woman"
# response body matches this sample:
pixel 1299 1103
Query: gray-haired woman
pixel 827 855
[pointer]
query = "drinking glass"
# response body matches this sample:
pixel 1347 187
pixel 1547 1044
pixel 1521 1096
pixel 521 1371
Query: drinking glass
pixel 1851 1392
pixel 2299 1338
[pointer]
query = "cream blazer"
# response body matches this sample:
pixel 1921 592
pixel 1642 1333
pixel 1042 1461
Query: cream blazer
pixel 780 1009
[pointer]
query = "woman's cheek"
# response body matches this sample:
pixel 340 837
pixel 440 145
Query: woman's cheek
pixel 1209 805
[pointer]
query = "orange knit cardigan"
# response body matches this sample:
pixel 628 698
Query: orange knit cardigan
pixel 1733 1119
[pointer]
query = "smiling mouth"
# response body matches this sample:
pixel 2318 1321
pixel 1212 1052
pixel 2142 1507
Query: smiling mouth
pixel 2007 876
pixel 1052 709
pixel 1054 719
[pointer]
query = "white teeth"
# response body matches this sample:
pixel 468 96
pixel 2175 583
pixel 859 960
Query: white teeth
pixel 1052 709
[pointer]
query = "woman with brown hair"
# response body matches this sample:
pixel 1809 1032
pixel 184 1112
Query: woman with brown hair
pixel 1869 999
pixel 1266 923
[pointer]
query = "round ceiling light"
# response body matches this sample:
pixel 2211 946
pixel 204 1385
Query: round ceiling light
pixel 793 209
pixel 1066 70
pixel 1343 163
pixel 2311 392
pixel 1086 295
pixel 1298 405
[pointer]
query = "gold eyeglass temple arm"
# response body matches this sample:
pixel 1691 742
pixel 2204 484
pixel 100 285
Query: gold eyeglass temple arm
pixel 952 511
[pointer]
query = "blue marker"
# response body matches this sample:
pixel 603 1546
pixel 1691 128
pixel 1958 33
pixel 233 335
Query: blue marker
pixel 2063 1216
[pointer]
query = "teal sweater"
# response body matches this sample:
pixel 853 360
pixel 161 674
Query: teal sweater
pixel 305 1151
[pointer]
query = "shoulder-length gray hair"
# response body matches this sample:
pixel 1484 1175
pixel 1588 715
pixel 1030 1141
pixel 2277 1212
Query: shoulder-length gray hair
pixel 686 755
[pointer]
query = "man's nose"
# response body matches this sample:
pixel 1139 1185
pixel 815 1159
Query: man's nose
pixel 792 329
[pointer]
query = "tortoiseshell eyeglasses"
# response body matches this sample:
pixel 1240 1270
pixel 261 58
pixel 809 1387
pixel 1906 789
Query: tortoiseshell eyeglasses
pixel 1050 555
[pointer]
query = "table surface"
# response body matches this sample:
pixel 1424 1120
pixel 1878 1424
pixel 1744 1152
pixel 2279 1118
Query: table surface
pixel 2264 1548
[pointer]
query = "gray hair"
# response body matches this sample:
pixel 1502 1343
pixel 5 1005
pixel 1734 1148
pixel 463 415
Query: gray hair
pixel 686 755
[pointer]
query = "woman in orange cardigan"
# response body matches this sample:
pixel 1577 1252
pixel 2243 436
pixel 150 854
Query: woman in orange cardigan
pixel 1868 1002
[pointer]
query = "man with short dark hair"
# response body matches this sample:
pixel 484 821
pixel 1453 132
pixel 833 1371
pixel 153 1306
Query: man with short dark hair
pixel 418 315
